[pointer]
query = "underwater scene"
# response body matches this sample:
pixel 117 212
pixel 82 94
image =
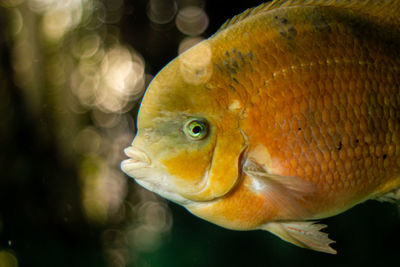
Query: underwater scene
pixel 114 153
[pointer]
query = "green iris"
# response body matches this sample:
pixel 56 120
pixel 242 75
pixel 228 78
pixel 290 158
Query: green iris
pixel 196 129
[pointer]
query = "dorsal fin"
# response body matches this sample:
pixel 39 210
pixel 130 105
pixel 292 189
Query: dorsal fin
pixel 387 11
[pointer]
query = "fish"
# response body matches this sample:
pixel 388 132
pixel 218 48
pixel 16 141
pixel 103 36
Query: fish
pixel 288 114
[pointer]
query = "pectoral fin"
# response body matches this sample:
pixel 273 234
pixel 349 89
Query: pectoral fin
pixel 303 234
pixel 287 193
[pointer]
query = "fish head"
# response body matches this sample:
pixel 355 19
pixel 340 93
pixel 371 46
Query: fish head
pixel 189 144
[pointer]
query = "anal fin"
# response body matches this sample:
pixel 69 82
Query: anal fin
pixel 304 234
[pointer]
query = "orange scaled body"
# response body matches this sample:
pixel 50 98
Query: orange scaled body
pixel 303 103
pixel 325 101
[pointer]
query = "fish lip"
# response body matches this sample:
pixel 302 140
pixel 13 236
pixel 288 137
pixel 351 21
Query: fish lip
pixel 136 154
pixel 137 159
pixel 128 165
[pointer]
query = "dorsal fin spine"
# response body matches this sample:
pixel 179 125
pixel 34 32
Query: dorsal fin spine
pixel 386 10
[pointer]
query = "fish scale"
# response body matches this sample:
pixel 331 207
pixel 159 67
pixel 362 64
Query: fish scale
pixel 302 106
pixel 344 117
pixel 343 73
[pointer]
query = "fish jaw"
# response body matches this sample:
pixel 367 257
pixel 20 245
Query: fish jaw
pixel 165 192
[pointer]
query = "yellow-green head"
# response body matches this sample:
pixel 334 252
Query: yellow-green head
pixel 188 143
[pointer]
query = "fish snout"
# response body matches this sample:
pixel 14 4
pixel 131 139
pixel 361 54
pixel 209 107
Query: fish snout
pixel 137 159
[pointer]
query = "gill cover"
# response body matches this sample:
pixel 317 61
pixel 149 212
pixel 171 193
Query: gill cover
pixel 224 171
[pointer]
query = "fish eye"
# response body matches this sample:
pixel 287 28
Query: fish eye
pixel 196 129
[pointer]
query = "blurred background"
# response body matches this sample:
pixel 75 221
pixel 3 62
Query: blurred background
pixel 72 74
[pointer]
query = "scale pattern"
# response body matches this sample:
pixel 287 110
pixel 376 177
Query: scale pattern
pixel 323 97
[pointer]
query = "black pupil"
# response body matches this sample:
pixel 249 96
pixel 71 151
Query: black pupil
pixel 196 129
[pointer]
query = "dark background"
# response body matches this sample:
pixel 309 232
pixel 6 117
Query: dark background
pixel 59 202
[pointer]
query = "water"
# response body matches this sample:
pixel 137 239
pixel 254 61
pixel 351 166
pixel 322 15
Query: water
pixel 71 78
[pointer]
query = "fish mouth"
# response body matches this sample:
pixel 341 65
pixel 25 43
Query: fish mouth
pixel 138 167
pixel 137 159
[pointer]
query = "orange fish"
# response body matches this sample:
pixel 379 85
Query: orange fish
pixel 288 114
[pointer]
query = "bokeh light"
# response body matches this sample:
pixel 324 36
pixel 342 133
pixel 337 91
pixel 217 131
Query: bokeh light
pixel 196 65
pixel 104 188
pixel 154 221
pixel 192 20
pixel 188 42
pixel 8 259
pixel 161 11
pixel 89 72
pixel 57 22
pixel 114 10
pixel 122 79
pixel 112 86
pixel 87 46
pixel 105 120
pixel 88 141
pixel 16 21
pixel 10 3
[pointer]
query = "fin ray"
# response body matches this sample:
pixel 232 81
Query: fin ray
pixel 388 11
pixel 287 193
pixel 304 234
pixel 391 196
